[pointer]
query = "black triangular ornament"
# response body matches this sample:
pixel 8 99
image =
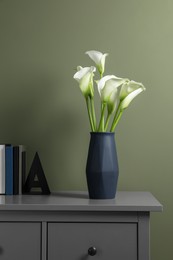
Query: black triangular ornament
pixel 36 178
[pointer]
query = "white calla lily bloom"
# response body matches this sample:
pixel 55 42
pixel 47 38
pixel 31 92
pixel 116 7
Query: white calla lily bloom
pixel 108 88
pixel 125 103
pixel 85 78
pixel 128 92
pixel 99 59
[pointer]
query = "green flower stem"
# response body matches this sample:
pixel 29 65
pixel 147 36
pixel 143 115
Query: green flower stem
pixel 116 121
pixel 93 114
pixel 103 119
pixel 89 114
pixel 115 118
pixel 101 124
pixel 107 121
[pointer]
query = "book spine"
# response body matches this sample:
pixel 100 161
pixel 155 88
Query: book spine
pixel 2 169
pixel 9 170
pixel 16 170
pixel 23 171
pixel 22 166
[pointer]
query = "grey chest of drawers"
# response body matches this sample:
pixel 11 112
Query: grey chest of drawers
pixel 69 226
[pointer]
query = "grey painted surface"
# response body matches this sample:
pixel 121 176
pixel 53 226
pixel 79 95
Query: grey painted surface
pixel 143 236
pixel 112 241
pixel 69 216
pixel 20 241
pixel 70 201
pixel 44 241
pixel 63 226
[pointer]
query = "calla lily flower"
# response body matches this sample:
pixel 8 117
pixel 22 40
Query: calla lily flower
pixel 115 93
pixel 128 92
pixel 85 78
pixel 108 88
pixel 99 59
pixel 125 103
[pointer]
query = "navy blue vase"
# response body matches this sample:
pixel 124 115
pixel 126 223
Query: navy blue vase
pixel 102 166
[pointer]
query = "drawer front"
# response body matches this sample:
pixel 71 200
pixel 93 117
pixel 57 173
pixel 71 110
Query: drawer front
pixel 20 241
pixel 112 241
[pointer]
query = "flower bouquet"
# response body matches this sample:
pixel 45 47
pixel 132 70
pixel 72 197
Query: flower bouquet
pixel 115 94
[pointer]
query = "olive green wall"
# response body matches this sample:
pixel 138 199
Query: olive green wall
pixel 42 42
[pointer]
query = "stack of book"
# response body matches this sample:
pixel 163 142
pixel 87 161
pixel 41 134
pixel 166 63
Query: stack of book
pixel 12 169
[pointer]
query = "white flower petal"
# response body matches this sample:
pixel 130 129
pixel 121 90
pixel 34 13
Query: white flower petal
pixel 113 100
pixel 85 78
pixel 102 62
pixel 82 71
pixel 99 59
pixel 102 81
pixel 128 87
pixel 110 87
pixel 107 85
pixel 84 82
pixel 95 56
pixel 128 99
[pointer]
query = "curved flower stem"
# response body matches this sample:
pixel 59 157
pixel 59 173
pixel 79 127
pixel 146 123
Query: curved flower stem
pixel 107 121
pixel 101 124
pixel 115 118
pixel 103 119
pixel 89 114
pixel 93 114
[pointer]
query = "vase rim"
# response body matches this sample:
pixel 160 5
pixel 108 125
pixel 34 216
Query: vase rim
pixel 102 133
